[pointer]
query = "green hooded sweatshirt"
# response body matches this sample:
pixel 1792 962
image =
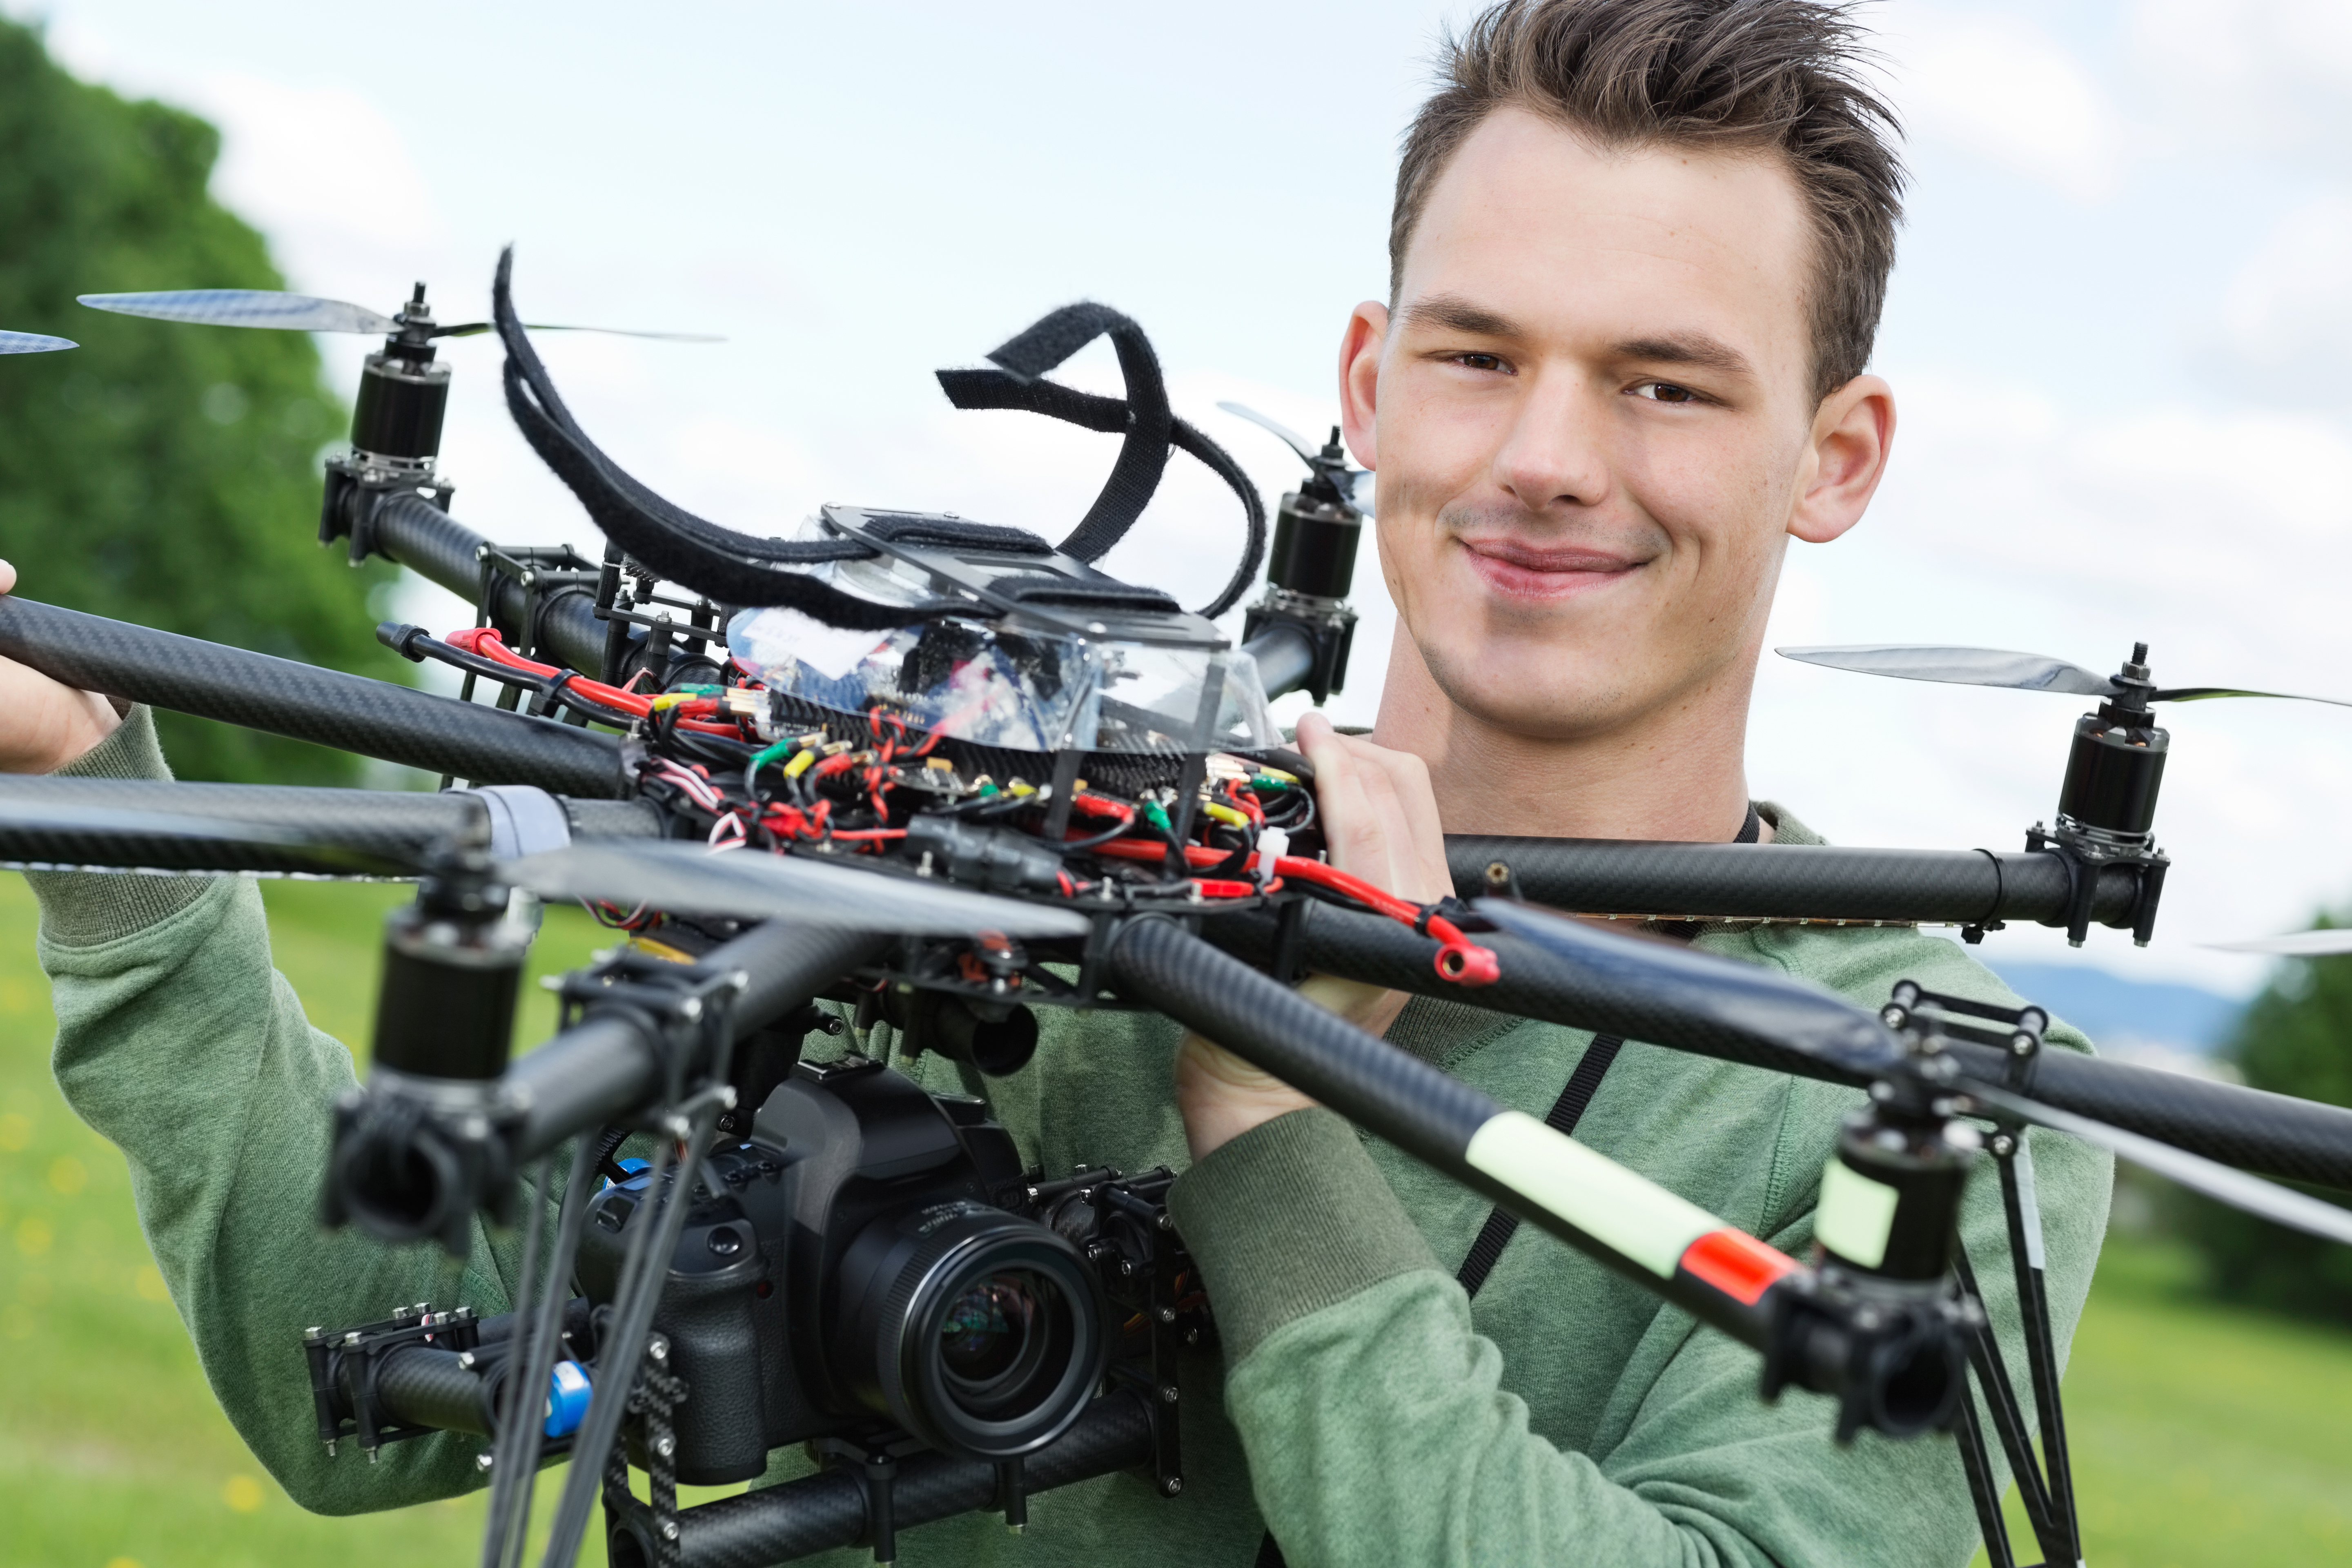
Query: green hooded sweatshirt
pixel 1362 1408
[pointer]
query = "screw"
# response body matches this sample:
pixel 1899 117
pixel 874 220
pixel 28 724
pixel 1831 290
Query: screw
pixel 2021 1045
pixel 666 1446
pixel 1167 1314
pixel 2003 1145
pixel 658 1349
pixel 669 1529
pixel 1172 1486
pixel 466 1360
pixel 482 1461
pixel 1167 1393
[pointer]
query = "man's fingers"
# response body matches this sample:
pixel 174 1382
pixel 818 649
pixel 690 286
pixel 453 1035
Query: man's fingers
pixel 1380 813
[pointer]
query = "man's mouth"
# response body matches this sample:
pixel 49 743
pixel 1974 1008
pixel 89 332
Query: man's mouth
pixel 1533 572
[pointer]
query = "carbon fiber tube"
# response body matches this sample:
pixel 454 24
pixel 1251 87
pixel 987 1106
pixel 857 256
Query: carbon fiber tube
pixel 413 532
pixel 1533 984
pixel 351 713
pixel 604 1064
pixel 421 1387
pixel 2272 1134
pixel 398 825
pixel 1788 881
pixel 1285 659
pixel 1389 1093
pixel 825 1512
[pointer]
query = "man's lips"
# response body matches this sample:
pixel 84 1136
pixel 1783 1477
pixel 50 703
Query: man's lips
pixel 1526 571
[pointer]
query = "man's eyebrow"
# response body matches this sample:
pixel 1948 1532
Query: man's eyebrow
pixel 1452 314
pixel 1688 348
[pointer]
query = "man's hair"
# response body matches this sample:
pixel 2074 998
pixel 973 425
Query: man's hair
pixel 1781 77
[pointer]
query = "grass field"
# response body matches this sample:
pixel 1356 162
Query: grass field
pixel 2202 1436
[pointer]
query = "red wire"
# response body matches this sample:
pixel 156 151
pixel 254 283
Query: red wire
pixel 1459 959
pixel 485 641
pixel 1146 849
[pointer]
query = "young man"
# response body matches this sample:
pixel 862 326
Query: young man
pixel 1638 253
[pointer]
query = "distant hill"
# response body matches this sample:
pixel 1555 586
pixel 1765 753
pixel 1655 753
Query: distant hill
pixel 2112 1009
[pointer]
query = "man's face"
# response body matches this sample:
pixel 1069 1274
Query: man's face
pixel 1593 421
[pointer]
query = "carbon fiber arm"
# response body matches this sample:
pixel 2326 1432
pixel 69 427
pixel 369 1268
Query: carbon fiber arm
pixel 1786 881
pixel 351 713
pixel 2272 1134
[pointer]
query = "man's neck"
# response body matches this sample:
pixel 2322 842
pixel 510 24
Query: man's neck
pixel 1673 775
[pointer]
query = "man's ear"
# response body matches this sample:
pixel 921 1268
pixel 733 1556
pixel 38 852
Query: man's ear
pixel 1852 431
pixel 1360 380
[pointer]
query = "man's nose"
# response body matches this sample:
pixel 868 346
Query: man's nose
pixel 1555 450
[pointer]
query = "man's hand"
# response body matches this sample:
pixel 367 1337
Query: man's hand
pixel 1380 818
pixel 45 723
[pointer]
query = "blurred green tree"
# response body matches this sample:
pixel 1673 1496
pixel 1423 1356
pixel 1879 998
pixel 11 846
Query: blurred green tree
pixel 161 473
pixel 2296 1037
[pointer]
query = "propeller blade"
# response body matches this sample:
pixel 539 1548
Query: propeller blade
pixel 475 329
pixel 2206 693
pixel 32 343
pixel 245 308
pixel 1286 435
pixel 1709 990
pixel 2294 945
pixel 2267 1200
pixel 1345 479
pixel 671 874
pixel 1960 666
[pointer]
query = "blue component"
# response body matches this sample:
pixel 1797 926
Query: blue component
pixel 635 1168
pixel 567 1399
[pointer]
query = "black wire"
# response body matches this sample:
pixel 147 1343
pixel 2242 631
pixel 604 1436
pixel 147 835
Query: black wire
pixel 616 1359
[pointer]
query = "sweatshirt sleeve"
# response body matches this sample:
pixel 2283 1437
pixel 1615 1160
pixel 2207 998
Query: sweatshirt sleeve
pixel 1378 1429
pixel 180 1044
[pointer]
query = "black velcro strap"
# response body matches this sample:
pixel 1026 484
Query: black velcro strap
pixel 1143 455
pixel 734 568
pixel 953 533
pixel 1565 1112
pixel 1107 416
pixel 1076 596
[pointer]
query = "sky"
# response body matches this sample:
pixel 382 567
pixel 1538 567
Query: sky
pixel 2117 329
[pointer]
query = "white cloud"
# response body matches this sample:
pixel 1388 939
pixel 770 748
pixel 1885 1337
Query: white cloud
pixel 2272 74
pixel 2288 311
pixel 2002 87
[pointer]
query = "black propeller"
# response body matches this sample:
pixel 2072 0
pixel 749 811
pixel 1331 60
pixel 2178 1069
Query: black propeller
pixel 307 313
pixel 1328 467
pixel 2020 672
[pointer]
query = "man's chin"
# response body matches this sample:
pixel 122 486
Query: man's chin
pixel 1549 698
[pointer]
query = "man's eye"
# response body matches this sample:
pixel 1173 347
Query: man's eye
pixel 1665 392
pixel 1480 361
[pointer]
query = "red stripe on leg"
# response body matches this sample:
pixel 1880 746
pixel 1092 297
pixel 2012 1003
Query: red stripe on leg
pixel 1736 1264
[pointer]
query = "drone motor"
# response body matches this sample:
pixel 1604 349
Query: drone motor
pixel 396 420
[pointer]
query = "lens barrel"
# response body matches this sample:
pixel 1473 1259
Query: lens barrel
pixel 976 1331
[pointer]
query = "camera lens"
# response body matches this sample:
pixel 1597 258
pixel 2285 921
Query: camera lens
pixel 992 1332
pixel 976 1331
